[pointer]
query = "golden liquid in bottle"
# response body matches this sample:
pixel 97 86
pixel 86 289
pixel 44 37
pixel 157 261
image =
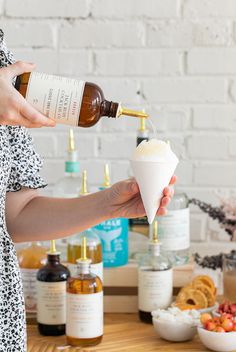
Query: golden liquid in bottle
pixel 93 252
pixel 33 256
pixel 84 284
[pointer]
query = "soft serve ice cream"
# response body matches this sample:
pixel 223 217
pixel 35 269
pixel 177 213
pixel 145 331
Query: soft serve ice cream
pixel 153 164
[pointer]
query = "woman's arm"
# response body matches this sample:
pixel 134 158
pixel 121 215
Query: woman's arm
pixel 31 217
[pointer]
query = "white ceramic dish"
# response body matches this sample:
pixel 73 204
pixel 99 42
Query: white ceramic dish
pixel 174 331
pixel 218 341
pixel 209 309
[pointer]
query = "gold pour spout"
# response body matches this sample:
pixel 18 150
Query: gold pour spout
pixel 53 247
pixel 71 146
pixel 84 189
pixel 106 179
pixel 155 232
pixel 84 247
pixel 128 112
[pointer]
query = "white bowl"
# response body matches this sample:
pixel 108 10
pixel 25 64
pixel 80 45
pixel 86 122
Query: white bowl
pixel 218 341
pixel 174 331
pixel 209 309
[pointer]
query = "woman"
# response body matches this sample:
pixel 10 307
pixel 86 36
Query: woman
pixel 24 214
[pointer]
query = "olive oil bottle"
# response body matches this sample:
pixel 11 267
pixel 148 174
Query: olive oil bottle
pixel 51 295
pixel 94 246
pixel 69 101
pixel 155 279
pixel 84 313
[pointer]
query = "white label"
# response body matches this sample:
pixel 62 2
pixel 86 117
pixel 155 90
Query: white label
pixel 155 289
pixel 30 290
pixel 57 97
pixel 174 231
pixel 84 315
pixel 96 269
pixel 51 302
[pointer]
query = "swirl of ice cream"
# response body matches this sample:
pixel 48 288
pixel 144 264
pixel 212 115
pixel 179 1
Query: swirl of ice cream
pixel 154 150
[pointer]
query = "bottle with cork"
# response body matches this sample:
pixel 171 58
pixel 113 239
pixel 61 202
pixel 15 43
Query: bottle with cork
pixel 94 246
pixel 69 101
pixel 51 295
pixel 84 316
pixel 155 279
pixel 113 234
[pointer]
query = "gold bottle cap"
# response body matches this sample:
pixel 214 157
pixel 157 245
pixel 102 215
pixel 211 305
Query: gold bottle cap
pixel 71 145
pixel 84 188
pixel 129 112
pixel 53 249
pixel 106 178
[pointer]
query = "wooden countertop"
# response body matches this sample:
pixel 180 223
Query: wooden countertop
pixel 123 333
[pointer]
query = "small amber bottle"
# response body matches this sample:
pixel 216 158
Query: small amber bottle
pixel 51 295
pixel 69 101
pixel 84 308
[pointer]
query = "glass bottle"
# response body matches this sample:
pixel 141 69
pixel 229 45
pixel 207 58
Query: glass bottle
pixel 113 234
pixel 174 231
pixel 51 295
pixel 140 225
pixel 68 100
pixel 31 258
pixel 94 246
pixel 84 317
pixel 155 279
pixel 68 186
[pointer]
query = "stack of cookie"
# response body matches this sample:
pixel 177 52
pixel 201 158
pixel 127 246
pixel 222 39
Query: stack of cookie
pixel 200 293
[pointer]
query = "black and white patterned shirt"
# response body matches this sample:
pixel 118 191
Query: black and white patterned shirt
pixel 19 167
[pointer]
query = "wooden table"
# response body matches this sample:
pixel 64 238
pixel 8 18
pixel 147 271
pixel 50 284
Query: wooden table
pixel 123 333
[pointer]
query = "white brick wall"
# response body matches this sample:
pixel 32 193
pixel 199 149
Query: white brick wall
pixel 175 58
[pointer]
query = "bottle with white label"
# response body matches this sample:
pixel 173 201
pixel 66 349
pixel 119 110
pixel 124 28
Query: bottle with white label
pixel 31 258
pixel 155 279
pixel 69 101
pixel 68 186
pixel 84 305
pixel 174 232
pixel 94 246
pixel 51 295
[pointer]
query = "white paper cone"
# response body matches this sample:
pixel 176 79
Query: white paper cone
pixel 152 178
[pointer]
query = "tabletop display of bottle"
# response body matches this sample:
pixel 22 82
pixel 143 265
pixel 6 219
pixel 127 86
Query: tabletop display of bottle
pixel 69 101
pixel 94 246
pixel 31 258
pixel 51 295
pixel 155 279
pixel 113 234
pixel 68 186
pixel 174 231
pixel 140 225
pixel 84 317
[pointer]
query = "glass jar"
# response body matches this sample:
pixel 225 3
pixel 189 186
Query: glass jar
pixel 229 278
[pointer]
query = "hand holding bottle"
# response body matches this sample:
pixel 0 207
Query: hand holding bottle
pixel 125 200
pixel 14 109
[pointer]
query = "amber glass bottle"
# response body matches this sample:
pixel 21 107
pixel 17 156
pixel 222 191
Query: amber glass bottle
pixel 84 305
pixel 69 101
pixel 31 258
pixel 51 295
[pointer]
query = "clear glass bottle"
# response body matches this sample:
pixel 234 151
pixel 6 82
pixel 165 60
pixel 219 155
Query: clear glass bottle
pixel 84 316
pixel 51 295
pixel 69 101
pixel 113 234
pixel 155 279
pixel 140 225
pixel 68 186
pixel 31 258
pixel 174 231
pixel 94 246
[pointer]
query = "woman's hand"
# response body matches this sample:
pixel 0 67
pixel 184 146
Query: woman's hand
pixel 125 200
pixel 14 109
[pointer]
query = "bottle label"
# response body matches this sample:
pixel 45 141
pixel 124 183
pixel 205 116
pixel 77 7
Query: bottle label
pixel 57 97
pixel 96 269
pixel 155 289
pixel 173 230
pixel 29 288
pixel 114 237
pixel 84 316
pixel 51 302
